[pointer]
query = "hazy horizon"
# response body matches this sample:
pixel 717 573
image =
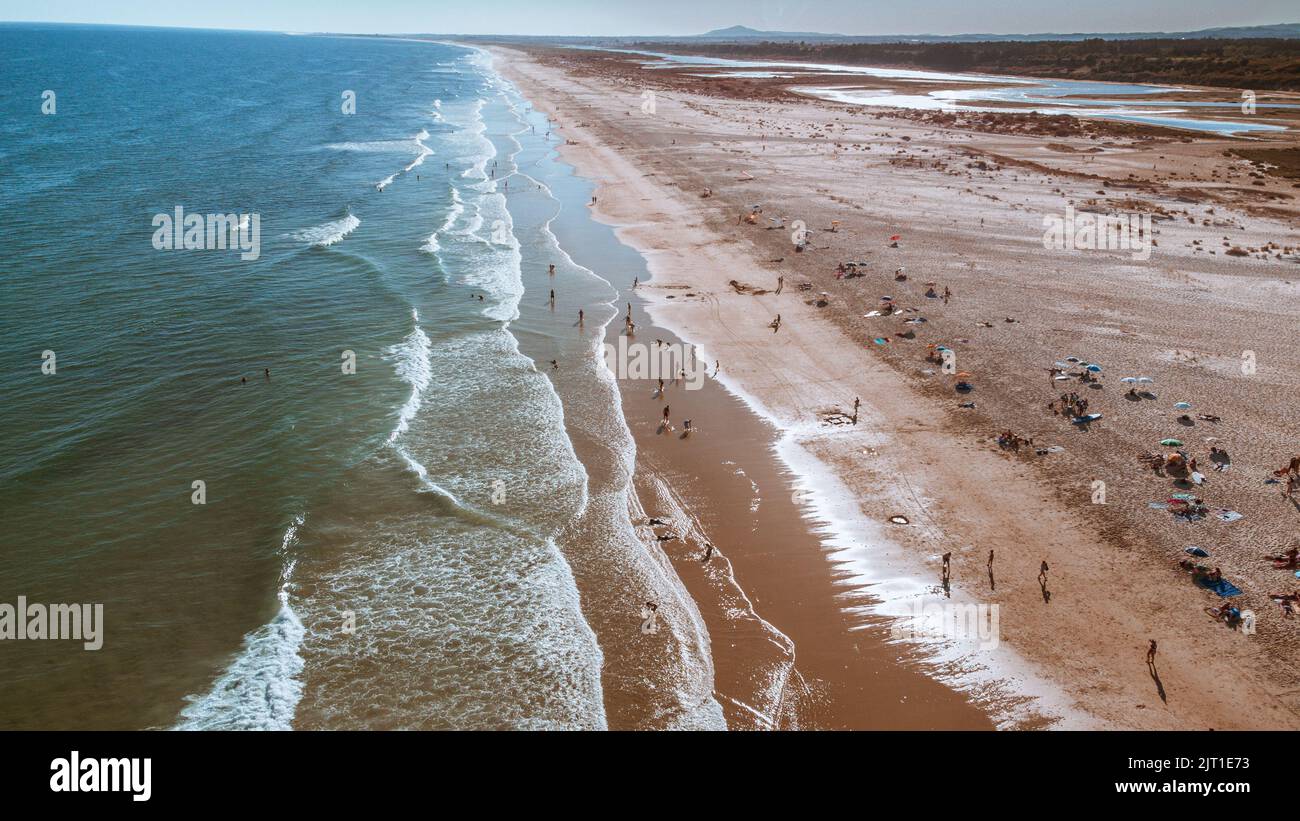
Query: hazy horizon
pixel 586 18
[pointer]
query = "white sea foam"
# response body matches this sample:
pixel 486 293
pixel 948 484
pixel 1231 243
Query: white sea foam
pixel 328 233
pixel 261 688
pixel 412 357
pixel 414 145
pixel 424 149
pixel 410 145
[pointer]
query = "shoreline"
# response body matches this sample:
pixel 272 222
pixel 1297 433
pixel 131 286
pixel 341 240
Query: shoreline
pixel 763 678
pixel 812 520
pixel 685 250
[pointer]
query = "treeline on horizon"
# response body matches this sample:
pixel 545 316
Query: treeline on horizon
pixel 1242 63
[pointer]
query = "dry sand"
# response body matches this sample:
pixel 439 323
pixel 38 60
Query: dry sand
pixel 969 206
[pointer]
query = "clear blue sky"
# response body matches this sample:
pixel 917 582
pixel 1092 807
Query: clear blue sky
pixel 608 17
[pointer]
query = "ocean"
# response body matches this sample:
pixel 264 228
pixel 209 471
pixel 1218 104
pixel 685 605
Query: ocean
pixel 334 482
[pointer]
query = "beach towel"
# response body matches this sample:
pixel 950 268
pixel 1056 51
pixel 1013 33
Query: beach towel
pixel 1223 587
pixel 1228 515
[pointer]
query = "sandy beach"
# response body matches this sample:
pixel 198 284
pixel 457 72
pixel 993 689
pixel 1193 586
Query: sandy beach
pixel 854 518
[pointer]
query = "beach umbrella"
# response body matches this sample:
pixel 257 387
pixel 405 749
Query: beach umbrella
pixel 964 374
pixel 895 237
pixel 1095 368
pixel 1073 359
pixel 1173 443
pixel 1061 364
pixel 1132 380
pixel 1145 380
pixel 1183 405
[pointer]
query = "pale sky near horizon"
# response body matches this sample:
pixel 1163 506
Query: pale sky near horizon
pixel 665 17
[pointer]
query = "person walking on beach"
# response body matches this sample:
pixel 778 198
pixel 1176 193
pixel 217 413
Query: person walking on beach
pixel 635 281
pixel 780 283
pixel 551 269
pixel 708 552
pixel 947 567
pixel 579 317
pixel 1042 573
pixel 776 324
pixel 856 403
pixel 1151 653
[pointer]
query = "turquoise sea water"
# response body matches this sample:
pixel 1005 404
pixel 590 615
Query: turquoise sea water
pixel 390 547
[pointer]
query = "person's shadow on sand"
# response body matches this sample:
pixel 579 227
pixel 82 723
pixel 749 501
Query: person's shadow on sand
pixel 1155 676
pixel 1047 594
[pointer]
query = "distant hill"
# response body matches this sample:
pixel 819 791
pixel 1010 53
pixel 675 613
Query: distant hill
pixel 747 33
pixel 734 34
